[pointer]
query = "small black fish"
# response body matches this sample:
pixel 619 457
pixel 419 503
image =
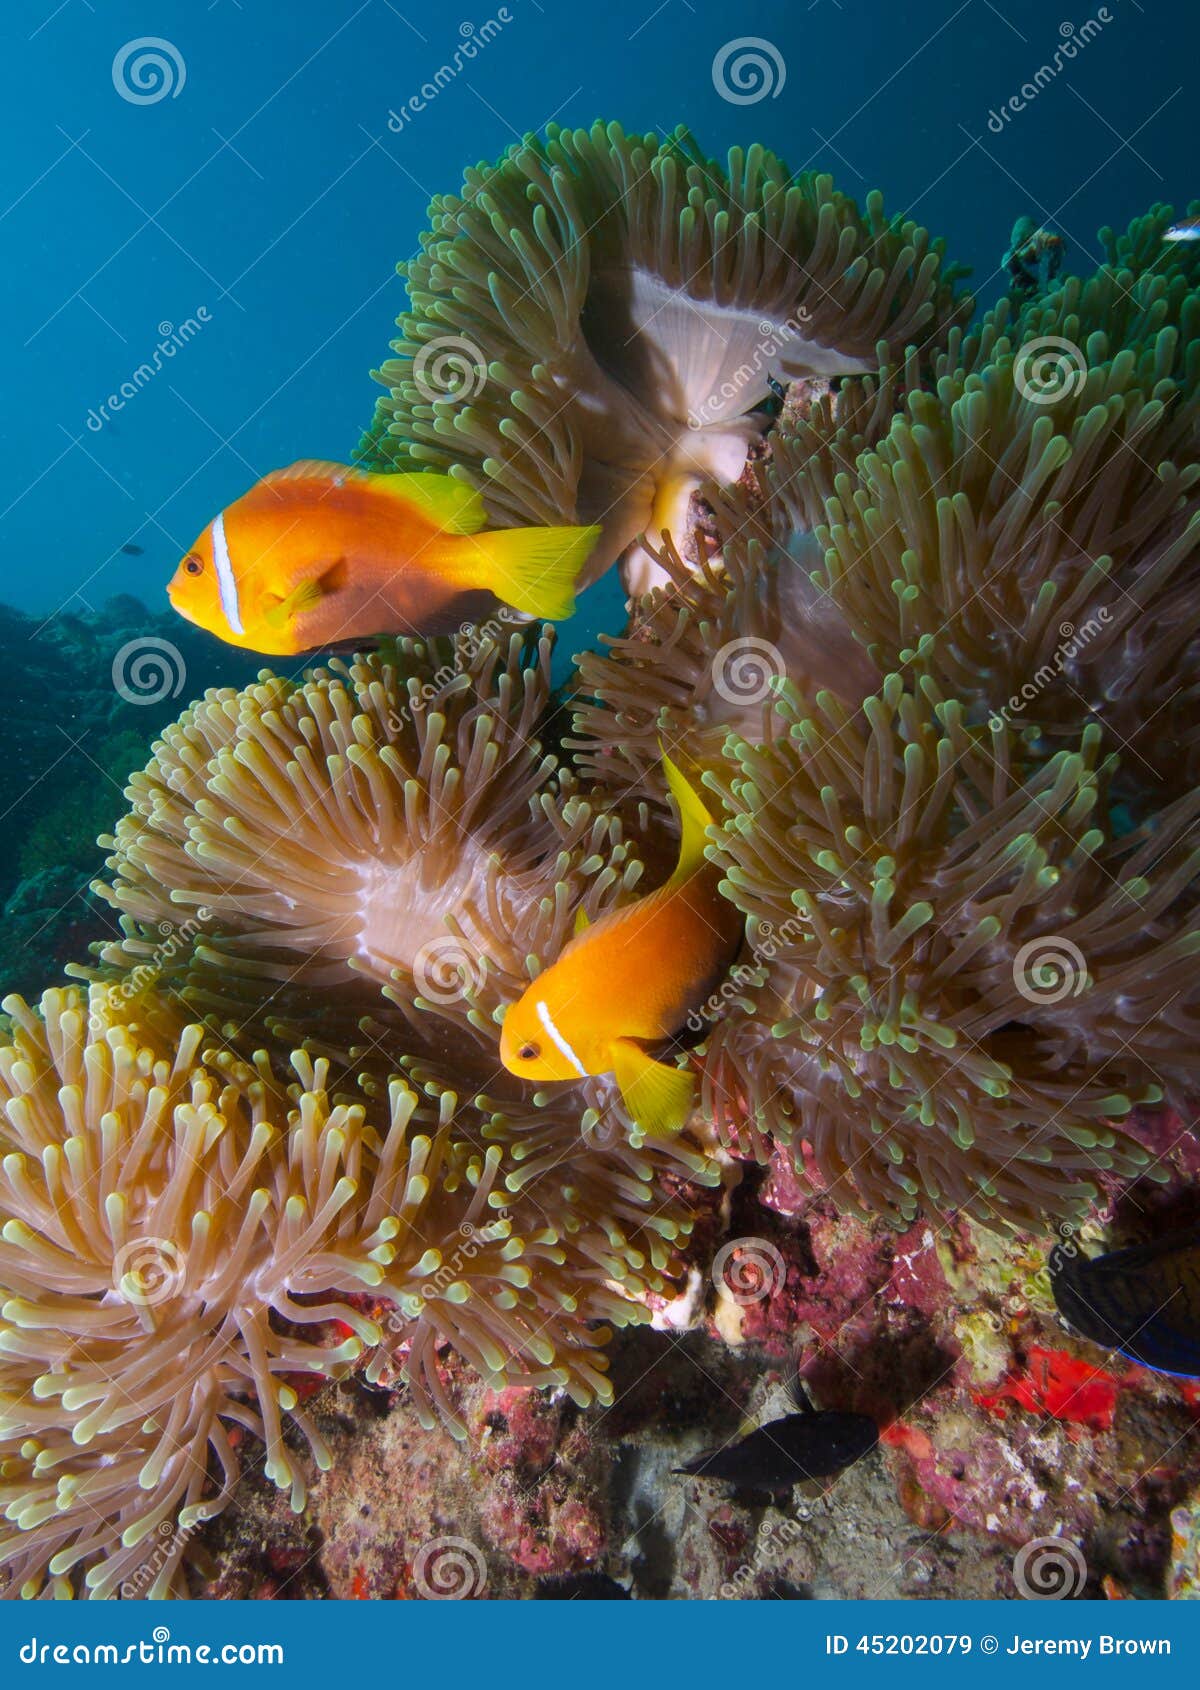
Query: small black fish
pixel 132 550
pixel 581 1587
pixel 1143 1301
pixel 812 1444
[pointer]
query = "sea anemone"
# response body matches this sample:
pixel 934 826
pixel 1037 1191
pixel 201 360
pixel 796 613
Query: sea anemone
pixel 595 318
pixel 391 821
pixel 704 652
pixel 185 1243
pixel 1033 551
pixel 1017 797
pixel 376 861
pixel 963 979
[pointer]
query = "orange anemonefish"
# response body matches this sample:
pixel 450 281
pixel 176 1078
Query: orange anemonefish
pixel 319 553
pixel 632 977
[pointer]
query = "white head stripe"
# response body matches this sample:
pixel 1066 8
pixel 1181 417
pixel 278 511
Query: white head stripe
pixel 563 1046
pixel 226 584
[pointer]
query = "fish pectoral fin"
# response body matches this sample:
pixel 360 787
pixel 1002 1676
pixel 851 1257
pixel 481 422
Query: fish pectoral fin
pixel 657 1096
pixel 306 596
pixel 451 505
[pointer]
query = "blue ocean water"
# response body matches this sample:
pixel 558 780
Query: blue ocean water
pixel 250 219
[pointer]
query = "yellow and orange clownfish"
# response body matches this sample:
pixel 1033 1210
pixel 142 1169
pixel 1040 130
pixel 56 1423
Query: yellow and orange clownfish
pixel 320 553
pixel 630 979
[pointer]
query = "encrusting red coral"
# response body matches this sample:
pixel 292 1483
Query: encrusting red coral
pixel 1057 1383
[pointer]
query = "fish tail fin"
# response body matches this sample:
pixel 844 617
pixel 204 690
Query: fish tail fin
pixel 694 821
pixel 533 569
pixel 658 1097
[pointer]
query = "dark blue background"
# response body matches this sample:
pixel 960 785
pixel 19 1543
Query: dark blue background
pixel 271 192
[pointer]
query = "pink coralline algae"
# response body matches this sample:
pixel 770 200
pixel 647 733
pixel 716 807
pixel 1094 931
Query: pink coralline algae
pixel 534 1511
pixel 994 1420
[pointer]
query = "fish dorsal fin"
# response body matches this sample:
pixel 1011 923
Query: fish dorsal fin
pixel 449 504
pixel 657 1096
pixel 694 822
pixel 581 922
pixel 314 469
pixel 801 1398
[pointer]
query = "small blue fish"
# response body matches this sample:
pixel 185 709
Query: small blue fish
pixel 1143 1301
pixel 1187 230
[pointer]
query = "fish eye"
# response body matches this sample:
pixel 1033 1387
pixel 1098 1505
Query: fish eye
pixel 193 564
pixel 529 1053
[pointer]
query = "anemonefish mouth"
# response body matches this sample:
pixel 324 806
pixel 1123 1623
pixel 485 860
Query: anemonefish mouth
pixel 180 609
